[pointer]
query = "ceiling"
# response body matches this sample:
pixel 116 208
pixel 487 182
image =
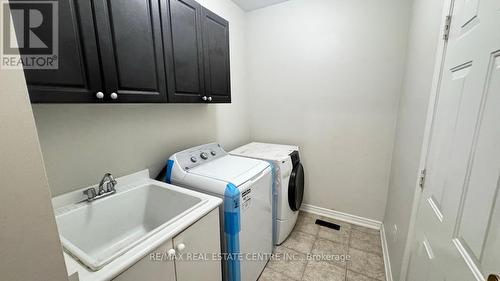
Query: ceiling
pixel 250 5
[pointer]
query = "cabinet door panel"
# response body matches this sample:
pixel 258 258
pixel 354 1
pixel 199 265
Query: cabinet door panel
pixel 216 57
pixel 183 48
pixel 153 267
pixel 78 77
pixel 130 40
pixel 203 237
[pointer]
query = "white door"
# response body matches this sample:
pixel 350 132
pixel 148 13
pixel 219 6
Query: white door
pixel 458 225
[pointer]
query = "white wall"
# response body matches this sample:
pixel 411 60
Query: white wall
pixel 422 51
pixel 326 75
pixel 29 243
pixel 81 142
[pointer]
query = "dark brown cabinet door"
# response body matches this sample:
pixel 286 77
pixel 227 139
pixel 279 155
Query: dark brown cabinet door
pixel 131 47
pixel 183 51
pixel 78 76
pixel 216 57
pixel 136 51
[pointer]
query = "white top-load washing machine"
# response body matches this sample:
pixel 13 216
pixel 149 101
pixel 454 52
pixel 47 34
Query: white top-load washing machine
pixel 245 185
pixel 288 182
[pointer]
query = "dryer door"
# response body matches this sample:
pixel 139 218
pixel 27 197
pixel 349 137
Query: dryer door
pixel 296 187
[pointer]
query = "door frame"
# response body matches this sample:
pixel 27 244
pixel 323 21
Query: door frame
pixel 429 124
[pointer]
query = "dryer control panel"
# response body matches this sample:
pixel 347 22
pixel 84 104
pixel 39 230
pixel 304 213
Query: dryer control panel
pixel 198 155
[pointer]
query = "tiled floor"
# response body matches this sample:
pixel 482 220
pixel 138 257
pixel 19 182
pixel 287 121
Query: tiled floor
pixel 317 253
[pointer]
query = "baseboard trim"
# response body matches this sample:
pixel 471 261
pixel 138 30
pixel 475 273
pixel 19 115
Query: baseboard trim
pixel 385 252
pixel 373 224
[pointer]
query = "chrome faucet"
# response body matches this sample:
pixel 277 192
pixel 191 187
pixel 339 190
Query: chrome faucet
pixel 110 185
pixel 110 182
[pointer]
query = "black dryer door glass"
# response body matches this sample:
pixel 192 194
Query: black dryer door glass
pixel 296 187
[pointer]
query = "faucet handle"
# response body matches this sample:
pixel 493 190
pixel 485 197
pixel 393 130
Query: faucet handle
pixel 90 193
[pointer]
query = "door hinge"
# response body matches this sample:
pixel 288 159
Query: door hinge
pixel 447 27
pixel 421 178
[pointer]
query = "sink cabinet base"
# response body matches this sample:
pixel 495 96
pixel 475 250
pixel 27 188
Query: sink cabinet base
pixel 200 243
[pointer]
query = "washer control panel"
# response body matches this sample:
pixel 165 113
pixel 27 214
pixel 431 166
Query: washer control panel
pixel 199 155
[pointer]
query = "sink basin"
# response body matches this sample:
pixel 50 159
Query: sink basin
pixel 97 233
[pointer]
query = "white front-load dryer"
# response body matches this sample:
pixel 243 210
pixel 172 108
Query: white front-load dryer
pixel 245 185
pixel 288 182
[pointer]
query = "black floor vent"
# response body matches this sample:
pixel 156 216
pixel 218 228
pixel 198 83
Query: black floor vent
pixel 328 224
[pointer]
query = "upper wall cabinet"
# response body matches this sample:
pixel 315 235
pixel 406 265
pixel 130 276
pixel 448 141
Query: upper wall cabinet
pixel 197 53
pixel 216 54
pixel 78 78
pixel 131 47
pixel 134 52
pixel 184 51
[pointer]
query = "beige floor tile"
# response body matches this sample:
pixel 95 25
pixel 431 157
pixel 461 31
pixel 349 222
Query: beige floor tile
pixel 323 271
pixel 369 264
pixel 330 252
pixel 317 253
pixel 367 242
pixel 288 262
pixel 271 275
pixel 306 223
pixel 300 242
pixel 354 276
pixel 339 236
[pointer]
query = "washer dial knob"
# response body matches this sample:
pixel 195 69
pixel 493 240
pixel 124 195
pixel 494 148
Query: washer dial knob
pixel 193 159
pixel 204 156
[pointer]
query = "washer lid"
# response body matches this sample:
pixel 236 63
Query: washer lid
pixel 229 168
pixel 267 151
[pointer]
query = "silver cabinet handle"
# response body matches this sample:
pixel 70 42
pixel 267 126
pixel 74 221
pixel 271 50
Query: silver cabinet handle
pixel 114 96
pixel 209 98
pixel 99 95
pixel 204 98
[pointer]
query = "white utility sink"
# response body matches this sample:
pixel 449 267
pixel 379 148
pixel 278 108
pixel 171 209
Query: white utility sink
pixel 96 233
